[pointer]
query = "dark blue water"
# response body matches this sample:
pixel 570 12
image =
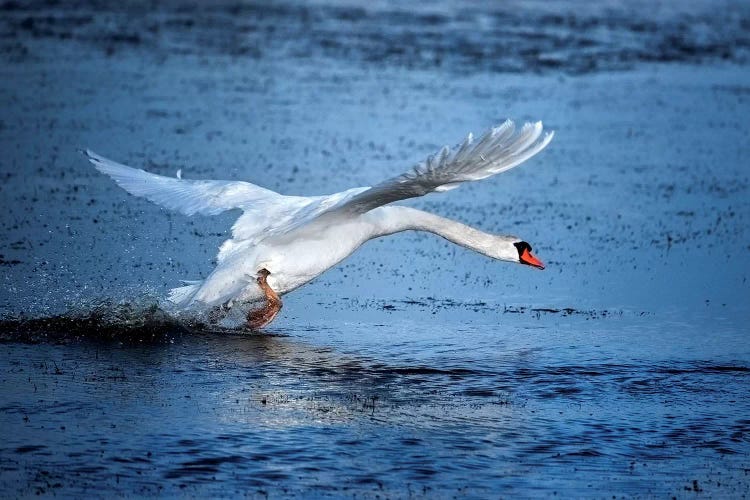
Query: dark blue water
pixel 529 406
pixel 415 368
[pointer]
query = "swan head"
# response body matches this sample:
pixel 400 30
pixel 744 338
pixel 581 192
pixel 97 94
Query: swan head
pixel 525 256
pixel 512 249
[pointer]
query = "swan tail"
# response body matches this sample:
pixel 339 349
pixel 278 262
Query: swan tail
pixel 182 295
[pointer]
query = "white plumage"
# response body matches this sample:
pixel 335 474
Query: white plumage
pixel 297 238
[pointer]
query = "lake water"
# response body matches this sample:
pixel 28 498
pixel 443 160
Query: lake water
pixel 414 368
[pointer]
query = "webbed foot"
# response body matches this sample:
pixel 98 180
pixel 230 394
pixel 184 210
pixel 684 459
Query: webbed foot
pixel 262 317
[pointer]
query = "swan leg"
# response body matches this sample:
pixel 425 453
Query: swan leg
pixel 262 317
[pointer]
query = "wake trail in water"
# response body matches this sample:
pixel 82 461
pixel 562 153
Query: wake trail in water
pixel 143 320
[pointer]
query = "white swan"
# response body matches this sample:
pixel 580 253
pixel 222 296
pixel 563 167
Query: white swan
pixel 280 242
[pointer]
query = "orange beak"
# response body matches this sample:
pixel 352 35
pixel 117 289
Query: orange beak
pixel 529 259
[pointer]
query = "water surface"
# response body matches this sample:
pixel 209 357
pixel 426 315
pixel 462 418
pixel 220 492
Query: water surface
pixel 414 368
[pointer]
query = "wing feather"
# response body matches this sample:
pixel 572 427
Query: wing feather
pixel 498 150
pixel 265 212
pixel 206 197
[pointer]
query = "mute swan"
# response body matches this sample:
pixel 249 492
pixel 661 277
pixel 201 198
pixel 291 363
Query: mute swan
pixel 281 242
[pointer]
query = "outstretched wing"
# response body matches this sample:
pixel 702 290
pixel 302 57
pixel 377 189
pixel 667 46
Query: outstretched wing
pixel 265 212
pixel 498 150
pixel 186 196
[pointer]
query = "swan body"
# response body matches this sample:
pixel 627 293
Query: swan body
pixel 294 239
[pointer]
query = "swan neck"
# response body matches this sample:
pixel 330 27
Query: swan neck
pixel 396 219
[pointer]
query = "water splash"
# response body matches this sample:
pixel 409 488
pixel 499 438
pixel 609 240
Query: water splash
pixel 141 320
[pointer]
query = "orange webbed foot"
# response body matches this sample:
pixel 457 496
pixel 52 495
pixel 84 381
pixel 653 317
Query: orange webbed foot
pixel 262 317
